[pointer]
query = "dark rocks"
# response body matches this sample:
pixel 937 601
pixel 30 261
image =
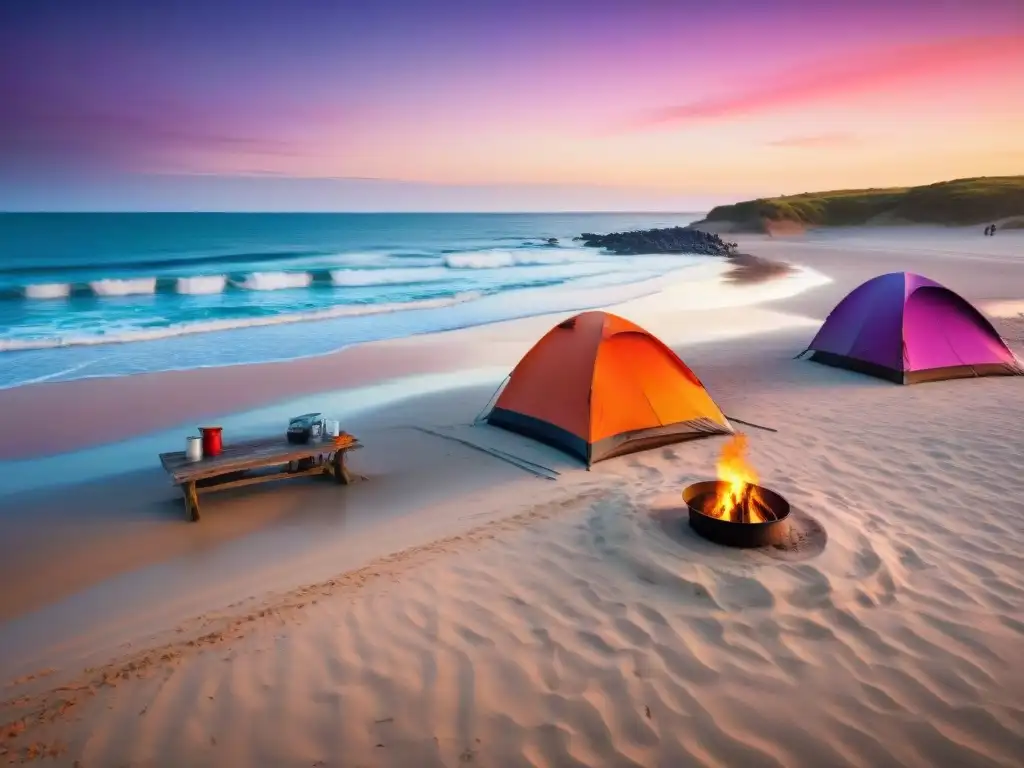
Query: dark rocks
pixel 669 240
pixel 551 240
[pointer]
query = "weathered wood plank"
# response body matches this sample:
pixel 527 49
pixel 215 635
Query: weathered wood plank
pixel 255 479
pixel 254 454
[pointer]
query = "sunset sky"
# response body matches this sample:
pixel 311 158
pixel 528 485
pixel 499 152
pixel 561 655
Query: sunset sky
pixel 488 104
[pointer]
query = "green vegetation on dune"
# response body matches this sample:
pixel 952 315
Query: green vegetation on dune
pixel 958 202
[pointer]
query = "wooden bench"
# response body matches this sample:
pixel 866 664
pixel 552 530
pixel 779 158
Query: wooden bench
pixel 236 466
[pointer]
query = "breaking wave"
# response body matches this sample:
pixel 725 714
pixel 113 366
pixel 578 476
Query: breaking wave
pixel 275 281
pixel 158 264
pixel 199 286
pixel 123 287
pixel 48 291
pixel 357 274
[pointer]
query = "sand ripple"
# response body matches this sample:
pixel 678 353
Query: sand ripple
pixel 580 633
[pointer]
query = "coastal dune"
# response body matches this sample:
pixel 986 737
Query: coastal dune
pixel 964 202
pixel 520 621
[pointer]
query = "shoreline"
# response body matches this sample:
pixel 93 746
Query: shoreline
pixel 78 366
pixel 539 301
pixel 124 406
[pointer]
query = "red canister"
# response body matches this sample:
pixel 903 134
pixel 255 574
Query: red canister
pixel 212 445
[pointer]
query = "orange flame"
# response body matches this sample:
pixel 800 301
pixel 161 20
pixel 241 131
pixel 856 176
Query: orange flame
pixel 740 494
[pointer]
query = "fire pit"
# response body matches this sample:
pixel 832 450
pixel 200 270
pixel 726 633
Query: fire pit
pixel 734 510
pixel 757 520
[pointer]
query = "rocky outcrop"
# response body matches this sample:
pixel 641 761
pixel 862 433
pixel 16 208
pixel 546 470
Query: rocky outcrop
pixel 668 240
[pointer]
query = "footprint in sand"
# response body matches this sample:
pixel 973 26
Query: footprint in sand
pixel 739 592
pixel 866 561
pixel 816 591
pixel 910 560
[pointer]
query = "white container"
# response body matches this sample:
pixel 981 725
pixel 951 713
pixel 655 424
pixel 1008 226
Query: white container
pixel 333 428
pixel 193 448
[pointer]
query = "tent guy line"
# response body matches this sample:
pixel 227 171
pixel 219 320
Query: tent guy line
pixel 533 468
pixel 750 424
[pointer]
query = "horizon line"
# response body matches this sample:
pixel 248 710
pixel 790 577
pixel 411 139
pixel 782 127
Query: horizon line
pixel 352 213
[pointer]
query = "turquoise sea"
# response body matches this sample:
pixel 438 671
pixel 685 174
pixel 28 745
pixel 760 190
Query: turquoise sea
pixel 98 294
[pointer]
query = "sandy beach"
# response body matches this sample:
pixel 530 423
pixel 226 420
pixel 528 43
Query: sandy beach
pixel 451 608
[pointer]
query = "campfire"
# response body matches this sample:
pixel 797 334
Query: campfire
pixel 738 499
pixel 735 509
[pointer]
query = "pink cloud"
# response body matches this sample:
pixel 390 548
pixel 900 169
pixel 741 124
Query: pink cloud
pixel 869 71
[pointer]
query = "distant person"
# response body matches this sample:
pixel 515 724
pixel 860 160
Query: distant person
pixel 988 230
pixel 993 228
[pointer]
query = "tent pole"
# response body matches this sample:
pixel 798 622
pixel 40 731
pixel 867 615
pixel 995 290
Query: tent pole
pixel 491 399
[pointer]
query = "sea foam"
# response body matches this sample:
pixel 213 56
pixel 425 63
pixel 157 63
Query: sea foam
pixel 130 287
pixel 48 291
pixel 201 285
pixel 275 281
pixel 500 257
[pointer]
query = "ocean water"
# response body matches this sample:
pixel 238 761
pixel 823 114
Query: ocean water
pixel 116 294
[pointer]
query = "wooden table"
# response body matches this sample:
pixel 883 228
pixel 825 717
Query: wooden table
pixel 234 467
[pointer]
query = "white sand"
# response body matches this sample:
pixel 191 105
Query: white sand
pixel 458 610
pixel 1004 309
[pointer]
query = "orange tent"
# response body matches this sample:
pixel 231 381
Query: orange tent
pixel 598 386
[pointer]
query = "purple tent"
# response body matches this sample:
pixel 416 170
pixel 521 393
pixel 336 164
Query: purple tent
pixel 907 328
